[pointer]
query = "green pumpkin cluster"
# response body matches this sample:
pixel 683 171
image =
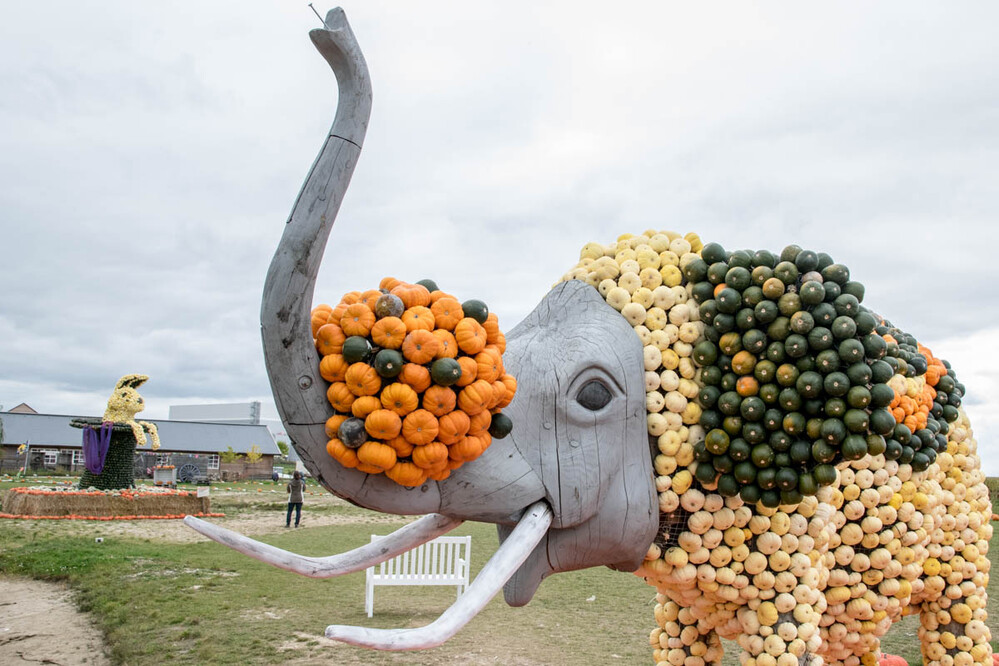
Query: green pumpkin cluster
pixel 794 372
pixel 920 448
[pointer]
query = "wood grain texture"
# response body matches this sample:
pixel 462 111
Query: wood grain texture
pixel 402 540
pixel 291 359
pixel 595 465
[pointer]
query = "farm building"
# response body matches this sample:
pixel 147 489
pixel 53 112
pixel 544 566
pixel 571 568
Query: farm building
pixel 196 449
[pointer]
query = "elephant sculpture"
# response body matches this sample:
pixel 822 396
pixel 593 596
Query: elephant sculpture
pixel 598 471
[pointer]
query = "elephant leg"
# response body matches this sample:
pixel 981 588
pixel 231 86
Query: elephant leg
pixel 684 637
pixel 774 638
pixel 953 631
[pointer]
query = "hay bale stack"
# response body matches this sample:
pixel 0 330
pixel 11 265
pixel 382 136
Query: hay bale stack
pixel 56 503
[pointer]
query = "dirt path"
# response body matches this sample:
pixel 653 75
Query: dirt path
pixel 40 625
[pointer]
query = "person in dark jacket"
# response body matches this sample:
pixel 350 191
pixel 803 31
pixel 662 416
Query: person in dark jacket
pixel 295 491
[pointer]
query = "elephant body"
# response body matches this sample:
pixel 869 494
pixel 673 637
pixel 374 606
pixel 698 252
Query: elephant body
pixel 831 599
pixel 824 577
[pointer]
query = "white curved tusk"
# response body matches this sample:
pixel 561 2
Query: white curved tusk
pixel 405 538
pixel 501 566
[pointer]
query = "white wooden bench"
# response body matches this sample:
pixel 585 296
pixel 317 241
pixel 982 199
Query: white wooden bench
pixel 443 561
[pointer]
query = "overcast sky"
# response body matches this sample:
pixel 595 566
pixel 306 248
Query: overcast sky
pixel 150 154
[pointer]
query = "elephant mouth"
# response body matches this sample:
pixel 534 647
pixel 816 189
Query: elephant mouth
pixel 514 551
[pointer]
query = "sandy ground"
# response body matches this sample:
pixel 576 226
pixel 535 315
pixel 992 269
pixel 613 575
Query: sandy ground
pixel 40 625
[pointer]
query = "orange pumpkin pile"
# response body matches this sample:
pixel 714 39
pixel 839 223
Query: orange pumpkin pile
pixel 416 380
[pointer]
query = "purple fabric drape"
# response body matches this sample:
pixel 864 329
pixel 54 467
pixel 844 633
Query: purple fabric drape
pixel 95 446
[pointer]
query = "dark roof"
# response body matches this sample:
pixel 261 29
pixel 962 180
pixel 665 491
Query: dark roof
pixel 53 430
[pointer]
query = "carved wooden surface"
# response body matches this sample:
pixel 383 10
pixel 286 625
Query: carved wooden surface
pixel 590 466
pixel 594 464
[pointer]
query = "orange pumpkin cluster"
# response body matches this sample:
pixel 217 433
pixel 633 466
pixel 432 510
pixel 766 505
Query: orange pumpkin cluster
pixel 169 516
pixel 913 410
pixel 418 425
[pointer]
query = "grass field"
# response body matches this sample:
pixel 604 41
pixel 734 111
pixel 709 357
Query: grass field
pixel 161 594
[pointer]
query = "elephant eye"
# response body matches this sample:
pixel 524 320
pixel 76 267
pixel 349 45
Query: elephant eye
pixel 594 395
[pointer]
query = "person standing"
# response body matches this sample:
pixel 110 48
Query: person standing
pixel 296 490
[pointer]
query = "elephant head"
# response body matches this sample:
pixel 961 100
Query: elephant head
pixel 571 487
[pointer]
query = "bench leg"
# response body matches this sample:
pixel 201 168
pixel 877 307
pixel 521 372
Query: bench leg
pixel 369 598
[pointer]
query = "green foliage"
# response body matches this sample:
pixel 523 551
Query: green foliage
pixel 254 454
pixel 229 455
pixel 992 483
pixel 283 447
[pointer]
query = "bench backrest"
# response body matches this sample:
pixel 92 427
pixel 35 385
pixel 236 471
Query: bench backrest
pixel 444 558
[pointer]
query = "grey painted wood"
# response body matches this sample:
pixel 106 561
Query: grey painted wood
pixel 595 466
pixel 404 539
pixel 290 357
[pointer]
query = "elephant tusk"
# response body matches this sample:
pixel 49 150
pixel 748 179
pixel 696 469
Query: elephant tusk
pixel 405 538
pixel 501 566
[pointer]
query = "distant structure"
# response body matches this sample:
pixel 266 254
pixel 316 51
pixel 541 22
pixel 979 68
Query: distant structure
pixel 23 408
pixel 246 413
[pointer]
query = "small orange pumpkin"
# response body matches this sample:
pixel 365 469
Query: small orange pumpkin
pixel 469 368
pixel 365 405
pixel 447 312
pixel 406 474
pixel 350 298
pixel 382 424
pixel 401 446
pixel 438 295
pixel 511 389
pixel 389 283
pixel 420 427
pixel 337 313
pixel 416 376
pixel 318 320
pixel 412 294
pixel 329 339
pixel 449 346
pixel 469 448
pixel 357 319
pixel 333 368
pixel 340 397
pixel 362 379
pixel 439 400
pixel 420 346
pixel 370 297
pixel 470 335
pixel 340 453
pixel 430 455
pixel 368 469
pixel 452 427
pixel 479 423
pixel 417 318
pixel 490 364
pixel 491 324
pixel 333 425
pixel 475 397
pixel 376 454
pixel 435 475
pixel 892 660
pixel 499 394
pixel 400 398
pixel 389 332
